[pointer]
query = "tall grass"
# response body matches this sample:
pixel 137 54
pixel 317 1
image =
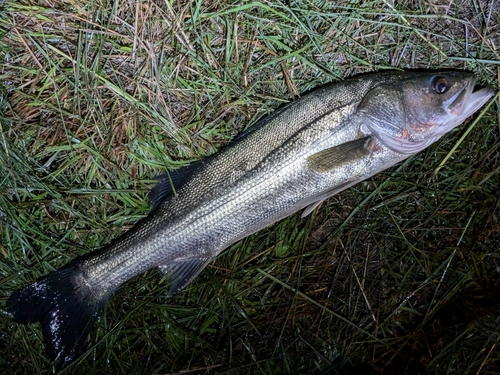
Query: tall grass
pixel 399 274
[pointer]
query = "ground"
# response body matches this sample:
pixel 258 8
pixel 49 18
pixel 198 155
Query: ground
pixel 397 275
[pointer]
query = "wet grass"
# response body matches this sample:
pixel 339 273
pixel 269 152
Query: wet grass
pixel 399 274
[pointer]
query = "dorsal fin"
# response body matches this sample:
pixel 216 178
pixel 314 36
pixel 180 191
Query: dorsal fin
pixel 169 182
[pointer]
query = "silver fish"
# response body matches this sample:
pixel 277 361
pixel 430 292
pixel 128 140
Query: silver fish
pixel 293 159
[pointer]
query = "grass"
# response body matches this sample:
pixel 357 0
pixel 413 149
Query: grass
pixel 399 274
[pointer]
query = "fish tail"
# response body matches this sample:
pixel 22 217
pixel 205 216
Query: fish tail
pixel 65 307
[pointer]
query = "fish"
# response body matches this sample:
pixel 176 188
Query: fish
pixel 291 160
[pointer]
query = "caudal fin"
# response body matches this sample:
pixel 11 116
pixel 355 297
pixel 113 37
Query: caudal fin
pixel 65 311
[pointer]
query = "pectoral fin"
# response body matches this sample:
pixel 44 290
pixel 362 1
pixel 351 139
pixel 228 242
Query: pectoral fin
pixel 333 157
pixel 180 273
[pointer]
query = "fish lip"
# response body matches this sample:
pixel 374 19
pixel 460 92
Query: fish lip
pixel 456 104
pixel 467 101
pixel 459 102
pixel 478 98
pixel 463 104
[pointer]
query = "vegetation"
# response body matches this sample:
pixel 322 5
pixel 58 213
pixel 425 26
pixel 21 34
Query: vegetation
pixel 397 275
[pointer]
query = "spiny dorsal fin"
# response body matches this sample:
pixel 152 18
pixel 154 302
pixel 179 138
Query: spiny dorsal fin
pixel 333 157
pixel 181 272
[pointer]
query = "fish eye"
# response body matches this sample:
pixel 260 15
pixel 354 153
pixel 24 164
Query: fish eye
pixel 439 84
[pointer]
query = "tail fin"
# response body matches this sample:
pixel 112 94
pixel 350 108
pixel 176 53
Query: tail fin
pixel 65 310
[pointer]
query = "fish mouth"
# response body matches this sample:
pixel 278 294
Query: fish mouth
pixel 462 105
pixel 467 101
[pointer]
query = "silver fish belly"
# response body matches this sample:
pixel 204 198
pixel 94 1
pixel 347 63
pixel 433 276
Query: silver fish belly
pixel 303 153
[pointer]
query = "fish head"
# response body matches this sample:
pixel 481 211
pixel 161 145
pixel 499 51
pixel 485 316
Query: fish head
pixel 410 111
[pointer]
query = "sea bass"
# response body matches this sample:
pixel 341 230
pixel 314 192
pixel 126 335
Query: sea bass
pixel 293 159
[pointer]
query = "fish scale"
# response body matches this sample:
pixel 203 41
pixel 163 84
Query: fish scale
pixel 303 153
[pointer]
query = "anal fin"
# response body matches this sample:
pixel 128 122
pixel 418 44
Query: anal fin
pixel 180 273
